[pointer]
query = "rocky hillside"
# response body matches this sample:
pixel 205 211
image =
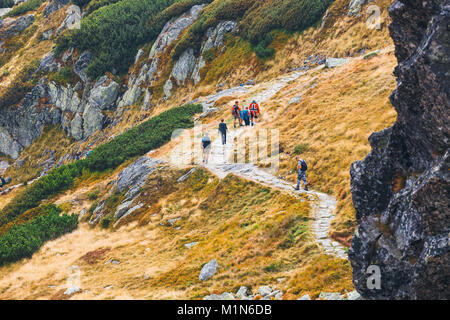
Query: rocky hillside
pixel 88 102
pixel 401 190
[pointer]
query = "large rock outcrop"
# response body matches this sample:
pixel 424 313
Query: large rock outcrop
pixel 401 191
pixel 80 118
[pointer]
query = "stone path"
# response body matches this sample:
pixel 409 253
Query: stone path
pixel 221 164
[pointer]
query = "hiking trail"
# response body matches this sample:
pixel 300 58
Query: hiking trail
pixel 220 164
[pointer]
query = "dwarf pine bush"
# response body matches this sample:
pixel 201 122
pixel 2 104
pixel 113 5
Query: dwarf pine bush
pixel 24 240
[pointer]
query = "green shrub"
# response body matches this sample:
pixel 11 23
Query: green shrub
pixel 81 3
pixel 106 222
pixel 63 76
pixel 114 32
pixel 23 8
pixel 136 141
pixel 93 195
pixel 301 148
pixel 149 135
pixel 24 240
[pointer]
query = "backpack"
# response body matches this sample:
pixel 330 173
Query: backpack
pixel 235 110
pixel 304 166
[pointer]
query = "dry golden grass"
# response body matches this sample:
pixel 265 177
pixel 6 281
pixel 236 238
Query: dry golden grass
pixel 257 234
pixel 52 139
pixel 33 48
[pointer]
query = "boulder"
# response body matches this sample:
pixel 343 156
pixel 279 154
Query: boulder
pixel 187 175
pixel 295 100
pixel 64 98
pixel 353 295
pixel 355 7
pixel 3 165
pixel 168 86
pixel 138 55
pixel 226 296
pixel 190 245
pixel 212 297
pixel 173 29
pixel 305 297
pixel 184 67
pixel 137 173
pixel 122 208
pixel 129 211
pixel 76 129
pixel 4 11
pixel 12 26
pixel 72 19
pixel 330 296
pixel 400 191
pixel 335 62
pixel 81 64
pixel 215 35
pixel 93 120
pixel 265 290
pixel 46 35
pixel 53 6
pixel 208 270
pixel 72 290
pixel 98 213
pixel 242 293
pixel 146 105
pixel 104 93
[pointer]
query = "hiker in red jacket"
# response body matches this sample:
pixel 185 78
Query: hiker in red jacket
pixel 254 112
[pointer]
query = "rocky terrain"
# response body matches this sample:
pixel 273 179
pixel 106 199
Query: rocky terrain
pixel 78 121
pixel 401 190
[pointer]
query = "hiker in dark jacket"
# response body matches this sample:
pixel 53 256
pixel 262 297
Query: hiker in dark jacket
pixel 223 132
pixel 302 167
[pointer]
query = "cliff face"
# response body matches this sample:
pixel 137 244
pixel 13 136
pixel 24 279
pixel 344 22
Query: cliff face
pixel 401 191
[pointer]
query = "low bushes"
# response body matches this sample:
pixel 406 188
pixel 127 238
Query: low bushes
pixel 137 141
pixel 22 241
pixel 257 20
pixel 113 31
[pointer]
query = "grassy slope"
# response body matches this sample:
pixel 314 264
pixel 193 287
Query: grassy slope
pixel 355 94
pixel 253 245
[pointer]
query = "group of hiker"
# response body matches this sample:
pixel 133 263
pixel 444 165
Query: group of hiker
pixel 249 116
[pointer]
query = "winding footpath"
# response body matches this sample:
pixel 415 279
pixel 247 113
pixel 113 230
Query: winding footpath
pixel 221 164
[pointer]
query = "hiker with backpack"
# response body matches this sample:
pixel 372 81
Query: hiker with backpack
pixel 206 145
pixel 246 116
pixel 236 112
pixel 223 131
pixel 254 112
pixel 302 167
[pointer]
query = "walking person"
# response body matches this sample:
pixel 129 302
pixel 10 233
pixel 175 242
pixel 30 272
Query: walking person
pixel 255 112
pixel 246 116
pixel 223 131
pixel 236 112
pixel 302 167
pixel 206 145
